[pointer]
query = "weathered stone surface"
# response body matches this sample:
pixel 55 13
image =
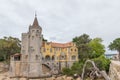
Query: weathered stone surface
pixel 114 72
pixel 5 76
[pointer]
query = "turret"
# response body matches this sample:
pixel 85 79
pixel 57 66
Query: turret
pixel 35 25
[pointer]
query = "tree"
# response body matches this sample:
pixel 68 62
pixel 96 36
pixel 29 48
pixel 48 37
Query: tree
pixel 97 48
pixel 102 63
pixel 89 49
pixel 44 40
pixel 75 69
pixel 9 46
pixel 115 45
pixel 82 45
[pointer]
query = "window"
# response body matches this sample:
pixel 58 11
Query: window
pixel 73 57
pixel 47 57
pixel 50 49
pixel 33 30
pixel 53 58
pixel 37 31
pixel 32 37
pixel 36 57
pixel 42 58
pixel 62 57
pixel 75 50
pixel 16 58
pixel 71 49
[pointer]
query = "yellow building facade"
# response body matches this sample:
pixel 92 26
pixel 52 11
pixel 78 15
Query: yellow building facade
pixel 63 54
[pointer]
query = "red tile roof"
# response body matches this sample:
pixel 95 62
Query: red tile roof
pixel 60 45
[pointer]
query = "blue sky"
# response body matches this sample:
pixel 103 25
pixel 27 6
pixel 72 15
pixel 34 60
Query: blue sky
pixel 62 20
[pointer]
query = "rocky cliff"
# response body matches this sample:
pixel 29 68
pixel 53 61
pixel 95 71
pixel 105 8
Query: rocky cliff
pixel 114 72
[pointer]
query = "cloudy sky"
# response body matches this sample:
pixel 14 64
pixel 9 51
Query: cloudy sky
pixel 61 20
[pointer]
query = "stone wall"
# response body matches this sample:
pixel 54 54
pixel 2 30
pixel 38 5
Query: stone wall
pixel 114 72
pixel 15 68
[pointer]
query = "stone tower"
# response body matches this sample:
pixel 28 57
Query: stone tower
pixel 31 58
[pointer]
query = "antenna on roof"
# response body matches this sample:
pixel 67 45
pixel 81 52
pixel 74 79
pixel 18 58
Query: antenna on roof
pixel 35 13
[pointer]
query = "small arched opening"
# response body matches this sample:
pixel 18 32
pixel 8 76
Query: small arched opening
pixel 53 57
pixel 47 57
pixel 73 57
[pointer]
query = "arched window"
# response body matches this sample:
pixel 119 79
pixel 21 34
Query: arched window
pixel 62 57
pixel 75 50
pixel 73 57
pixel 47 57
pixel 53 58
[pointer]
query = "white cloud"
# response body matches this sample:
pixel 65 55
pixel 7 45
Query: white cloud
pixel 62 20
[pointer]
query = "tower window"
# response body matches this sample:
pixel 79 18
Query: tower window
pixel 17 58
pixel 36 57
pixel 33 30
pixel 32 37
pixel 37 31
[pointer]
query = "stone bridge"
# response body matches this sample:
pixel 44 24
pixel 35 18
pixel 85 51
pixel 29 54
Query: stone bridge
pixel 50 67
pixel 48 63
pixel 114 71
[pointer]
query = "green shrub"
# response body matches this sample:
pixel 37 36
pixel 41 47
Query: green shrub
pixel 102 63
pixel 67 71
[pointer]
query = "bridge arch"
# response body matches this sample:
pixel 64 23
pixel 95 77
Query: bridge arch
pixel 46 68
